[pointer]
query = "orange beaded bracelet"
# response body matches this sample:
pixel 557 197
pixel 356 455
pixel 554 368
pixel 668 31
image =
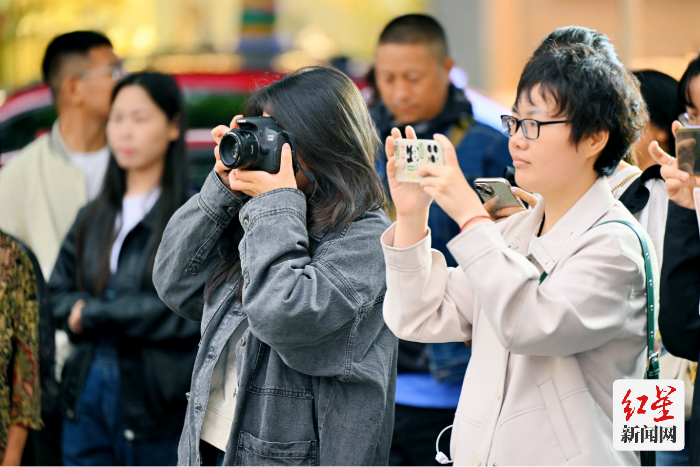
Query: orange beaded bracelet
pixel 471 219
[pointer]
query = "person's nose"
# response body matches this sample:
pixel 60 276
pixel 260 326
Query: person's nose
pixel 518 140
pixel 402 91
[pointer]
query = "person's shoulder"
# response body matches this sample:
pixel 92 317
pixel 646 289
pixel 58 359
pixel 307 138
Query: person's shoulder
pixel 617 231
pixel 28 156
pixel 363 232
pixel 13 261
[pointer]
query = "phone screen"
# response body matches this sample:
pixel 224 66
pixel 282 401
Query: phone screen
pixel 688 149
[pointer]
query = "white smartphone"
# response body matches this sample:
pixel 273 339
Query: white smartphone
pixel 412 154
pixel 487 188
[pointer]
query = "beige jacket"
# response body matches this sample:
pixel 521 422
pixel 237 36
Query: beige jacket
pixel 41 191
pixel 538 389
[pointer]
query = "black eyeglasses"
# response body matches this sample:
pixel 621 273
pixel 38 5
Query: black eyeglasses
pixel 531 128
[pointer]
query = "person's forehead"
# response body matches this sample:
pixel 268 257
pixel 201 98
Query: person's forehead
pixel 530 102
pixel 406 56
pixel 102 55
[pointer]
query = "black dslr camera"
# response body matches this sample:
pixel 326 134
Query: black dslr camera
pixel 256 145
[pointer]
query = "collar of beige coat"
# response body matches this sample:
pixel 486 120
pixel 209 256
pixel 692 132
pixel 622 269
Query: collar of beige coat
pixel 582 216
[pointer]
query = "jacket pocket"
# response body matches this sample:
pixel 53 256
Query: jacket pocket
pixel 562 430
pixel 254 451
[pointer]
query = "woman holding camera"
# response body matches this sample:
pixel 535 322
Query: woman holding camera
pixel 554 302
pixel 285 272
pixel 124 382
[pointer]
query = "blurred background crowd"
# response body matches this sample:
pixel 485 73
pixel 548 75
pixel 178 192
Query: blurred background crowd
pixel 218 51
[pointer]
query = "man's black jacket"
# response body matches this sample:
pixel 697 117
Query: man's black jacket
pixel 156 347
pixel 679 316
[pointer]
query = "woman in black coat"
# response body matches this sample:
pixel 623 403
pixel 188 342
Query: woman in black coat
pixel 124 384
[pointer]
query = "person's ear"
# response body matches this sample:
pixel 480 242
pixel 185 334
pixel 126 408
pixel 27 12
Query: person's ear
pixel 448 63
pixel 596 143
pixel 73 90
pixel 658 134
pixel 174 129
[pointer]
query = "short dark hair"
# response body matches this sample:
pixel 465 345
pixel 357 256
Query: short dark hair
pixel 65 46
pixel 594 93
pixel 691 72
pixel 660 93
pixel 415 29
pixel 570 35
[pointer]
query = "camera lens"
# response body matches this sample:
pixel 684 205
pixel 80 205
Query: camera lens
pixel 238 149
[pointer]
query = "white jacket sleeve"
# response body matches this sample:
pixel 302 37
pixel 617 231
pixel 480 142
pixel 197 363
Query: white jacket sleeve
pixel 583 304
pixel 425 300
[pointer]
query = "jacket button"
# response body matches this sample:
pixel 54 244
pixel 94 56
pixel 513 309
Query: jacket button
pixel 129 435
pixel 245 223
pixel 242 341
pixel 70 414
pixel 230 209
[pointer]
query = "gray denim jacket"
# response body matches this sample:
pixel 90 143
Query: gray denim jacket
pixel 317 365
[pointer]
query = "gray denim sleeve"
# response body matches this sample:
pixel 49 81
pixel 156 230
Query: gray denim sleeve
pixel 299 305
pixel 187 253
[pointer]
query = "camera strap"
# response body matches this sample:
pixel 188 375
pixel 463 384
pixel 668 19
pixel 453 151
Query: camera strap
pixel 295 163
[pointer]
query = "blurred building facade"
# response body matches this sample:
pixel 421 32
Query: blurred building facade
pixel 490 39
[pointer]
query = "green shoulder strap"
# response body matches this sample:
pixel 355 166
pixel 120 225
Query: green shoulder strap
pixel 652 371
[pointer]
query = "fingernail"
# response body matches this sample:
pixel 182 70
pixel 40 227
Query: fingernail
pixel 513 189
pixel 497 213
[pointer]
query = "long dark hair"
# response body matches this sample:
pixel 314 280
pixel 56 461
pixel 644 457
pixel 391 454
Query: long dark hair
pixel 96 231
pixel 336 141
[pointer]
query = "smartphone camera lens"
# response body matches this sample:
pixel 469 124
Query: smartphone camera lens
pixel 484 189
pixel 435 148
pixel 430 148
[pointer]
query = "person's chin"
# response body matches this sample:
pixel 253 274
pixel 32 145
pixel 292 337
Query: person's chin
pixel 524 179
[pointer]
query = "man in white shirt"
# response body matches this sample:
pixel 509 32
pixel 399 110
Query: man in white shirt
pixel 42 189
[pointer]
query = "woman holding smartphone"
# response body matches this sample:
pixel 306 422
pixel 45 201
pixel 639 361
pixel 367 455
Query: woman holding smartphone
pixel 123 384
pixel 296 365
pixel 554 302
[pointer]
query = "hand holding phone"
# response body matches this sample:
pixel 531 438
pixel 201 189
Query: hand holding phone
pixel 679 183
pixel 412 154
pixel 688 149
pixel 489 188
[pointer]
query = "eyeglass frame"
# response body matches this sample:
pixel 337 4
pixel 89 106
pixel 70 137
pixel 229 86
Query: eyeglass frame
pixel 688 120
pixel 117 72
pixel 518 124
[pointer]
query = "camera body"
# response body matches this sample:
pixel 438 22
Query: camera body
pixel 255 145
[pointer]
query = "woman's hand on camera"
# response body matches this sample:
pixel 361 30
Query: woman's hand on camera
pixel 448 187
pixel 221 170
pixel 679 184
pixel 256 182
pixel 505 213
